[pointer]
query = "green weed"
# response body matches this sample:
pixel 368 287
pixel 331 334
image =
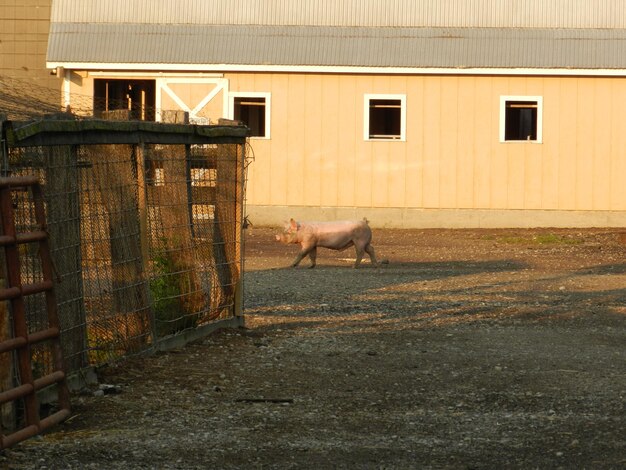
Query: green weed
pixel 169 287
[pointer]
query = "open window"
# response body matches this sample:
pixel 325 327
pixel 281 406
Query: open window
pixel 124 99
pixel 521 118
pixel 253 109
pixel 385 117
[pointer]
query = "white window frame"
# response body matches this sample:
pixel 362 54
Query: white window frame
pixel 252 94
pixel 366 116
pixel 530 99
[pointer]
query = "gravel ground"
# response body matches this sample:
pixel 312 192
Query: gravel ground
pixel 470 349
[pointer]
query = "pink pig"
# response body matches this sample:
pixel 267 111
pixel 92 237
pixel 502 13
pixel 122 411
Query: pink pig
pixel 337 235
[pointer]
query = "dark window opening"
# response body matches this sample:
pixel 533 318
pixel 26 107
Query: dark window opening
pixel 385 119
pixel 251 111
pixel 520 120
pixel 124 99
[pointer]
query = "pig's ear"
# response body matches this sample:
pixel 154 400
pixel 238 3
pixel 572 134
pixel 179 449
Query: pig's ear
pixel 294 224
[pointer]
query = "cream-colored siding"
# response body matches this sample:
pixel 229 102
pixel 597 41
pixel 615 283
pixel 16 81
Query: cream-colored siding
pixel 452 169
pixel 452 157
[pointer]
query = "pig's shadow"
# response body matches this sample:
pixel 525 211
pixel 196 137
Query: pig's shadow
pixel 332 283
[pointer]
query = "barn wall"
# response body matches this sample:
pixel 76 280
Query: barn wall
pixel 452 169
pixel 452 161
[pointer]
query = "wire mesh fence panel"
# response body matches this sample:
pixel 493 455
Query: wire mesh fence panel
pixel 22 100
pixel 176 286
pixel 185 201
pixel 114 278
pixel 145 237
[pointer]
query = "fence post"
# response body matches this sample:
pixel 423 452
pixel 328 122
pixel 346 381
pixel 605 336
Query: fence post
pixel 144 234
pixel 4 151
pixel 239 234
pixel 142 202
pixel 226 214
pixel 61 194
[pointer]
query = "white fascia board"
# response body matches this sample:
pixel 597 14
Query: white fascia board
pixel 172 77
pixel 220 68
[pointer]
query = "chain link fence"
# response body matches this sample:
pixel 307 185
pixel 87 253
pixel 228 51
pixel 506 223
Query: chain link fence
pixel 145 223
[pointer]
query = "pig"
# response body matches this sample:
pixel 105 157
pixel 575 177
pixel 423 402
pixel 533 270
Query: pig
pixel 337 235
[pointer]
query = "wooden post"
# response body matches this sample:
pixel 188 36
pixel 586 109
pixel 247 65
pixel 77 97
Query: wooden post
pixel 61 193
pixel 144 233
pixel 239 228
pixel 142 203
pixel 226 216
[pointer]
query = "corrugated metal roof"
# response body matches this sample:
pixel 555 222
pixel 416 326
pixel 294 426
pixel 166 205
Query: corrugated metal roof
pixel 337 46
pixel 365 13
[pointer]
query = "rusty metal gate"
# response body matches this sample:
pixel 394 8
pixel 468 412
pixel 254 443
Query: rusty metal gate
pixel 23 342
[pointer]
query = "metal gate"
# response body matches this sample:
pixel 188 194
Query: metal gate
pixel 20 344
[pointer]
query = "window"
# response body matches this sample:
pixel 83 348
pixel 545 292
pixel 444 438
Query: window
pixel 385 117
pixel 253 109
pixel 521 118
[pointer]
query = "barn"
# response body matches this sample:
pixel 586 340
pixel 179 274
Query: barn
pixel 412 113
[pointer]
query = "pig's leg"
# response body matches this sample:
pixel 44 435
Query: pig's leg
pixel 370 251
pixel 303 252
pixel 313 256
pixel 359 255
pixel 298 258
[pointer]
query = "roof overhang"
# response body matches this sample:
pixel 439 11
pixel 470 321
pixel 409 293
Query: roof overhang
pixel 239 48
pixel 107 69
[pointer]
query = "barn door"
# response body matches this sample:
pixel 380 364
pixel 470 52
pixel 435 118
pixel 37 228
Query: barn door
pixel 198 100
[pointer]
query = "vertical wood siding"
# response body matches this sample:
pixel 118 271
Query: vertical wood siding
pixel 452 157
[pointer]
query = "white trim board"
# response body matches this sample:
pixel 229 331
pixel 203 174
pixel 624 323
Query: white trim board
pixel 222 68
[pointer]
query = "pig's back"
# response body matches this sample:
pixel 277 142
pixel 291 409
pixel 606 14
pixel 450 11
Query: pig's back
pixel 341 234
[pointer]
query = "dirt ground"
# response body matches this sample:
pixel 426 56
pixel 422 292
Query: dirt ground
pixel 470 349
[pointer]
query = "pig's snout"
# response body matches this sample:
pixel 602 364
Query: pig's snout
pixel 286 238
pixel 283 238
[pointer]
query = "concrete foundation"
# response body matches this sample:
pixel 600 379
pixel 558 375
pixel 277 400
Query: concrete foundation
pixel 439 218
